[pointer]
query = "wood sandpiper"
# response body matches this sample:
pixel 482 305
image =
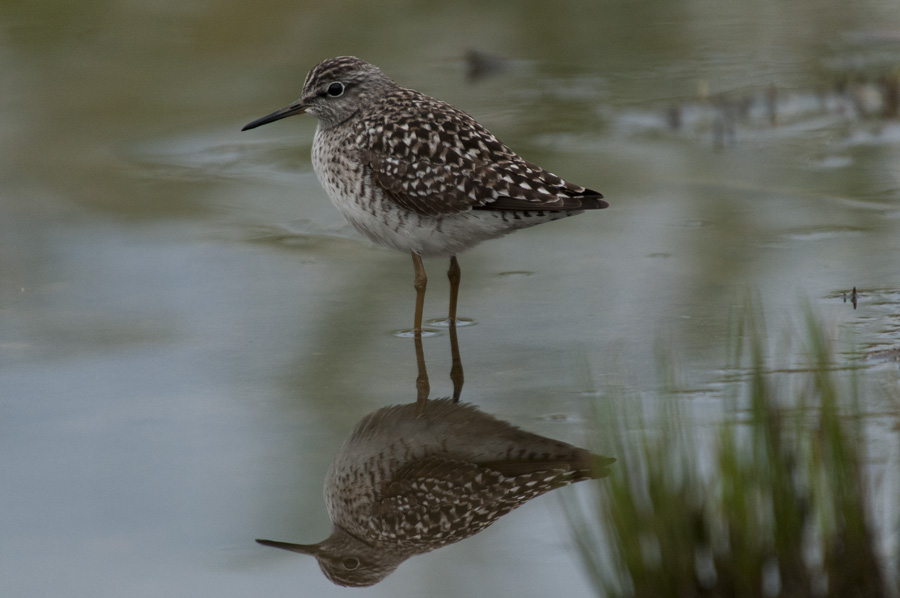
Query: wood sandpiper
pixel 417 174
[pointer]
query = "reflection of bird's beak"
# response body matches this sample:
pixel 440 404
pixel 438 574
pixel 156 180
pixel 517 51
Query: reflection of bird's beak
pixel 290 110
pixel 312 549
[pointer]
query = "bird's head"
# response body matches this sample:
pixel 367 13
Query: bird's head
pixel 335 90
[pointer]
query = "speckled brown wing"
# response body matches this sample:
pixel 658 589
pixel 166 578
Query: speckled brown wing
pixel 434 159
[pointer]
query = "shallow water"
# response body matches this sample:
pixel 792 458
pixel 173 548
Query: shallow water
pixel 188 331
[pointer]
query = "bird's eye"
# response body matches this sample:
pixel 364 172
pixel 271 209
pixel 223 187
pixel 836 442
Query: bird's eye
pixel 350 563
pixel 335 89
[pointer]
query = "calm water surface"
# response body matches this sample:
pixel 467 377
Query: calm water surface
pixel 188 330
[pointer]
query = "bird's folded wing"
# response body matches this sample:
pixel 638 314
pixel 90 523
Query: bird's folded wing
pixel 434 189
pixel 436 160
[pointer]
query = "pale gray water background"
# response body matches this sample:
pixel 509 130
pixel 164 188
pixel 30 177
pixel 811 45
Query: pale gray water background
pixel 188 331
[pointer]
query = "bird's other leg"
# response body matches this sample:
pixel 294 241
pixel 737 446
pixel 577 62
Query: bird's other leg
pixel 420 281
pixel 453 274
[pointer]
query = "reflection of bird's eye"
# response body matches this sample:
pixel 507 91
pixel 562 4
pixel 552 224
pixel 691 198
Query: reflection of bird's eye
pixel 351 563
pixel 335 89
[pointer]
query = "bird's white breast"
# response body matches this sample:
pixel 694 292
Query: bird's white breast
pixel 336 162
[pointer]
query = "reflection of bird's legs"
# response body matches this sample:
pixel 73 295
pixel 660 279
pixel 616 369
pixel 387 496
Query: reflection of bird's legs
pixel 453 274
pixel 456 370
pixel 420 281
pixel 422 386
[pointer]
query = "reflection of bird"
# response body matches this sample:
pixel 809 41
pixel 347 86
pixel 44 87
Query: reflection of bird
pixel 416 174
pixel 402 485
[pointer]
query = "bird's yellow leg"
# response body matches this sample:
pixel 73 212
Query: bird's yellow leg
pixel 453 274
pixel 420 281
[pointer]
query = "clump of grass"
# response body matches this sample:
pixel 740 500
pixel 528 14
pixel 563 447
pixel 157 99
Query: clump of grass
pixel 773 505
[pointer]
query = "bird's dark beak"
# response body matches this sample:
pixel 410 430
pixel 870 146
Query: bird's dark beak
pixel 290 110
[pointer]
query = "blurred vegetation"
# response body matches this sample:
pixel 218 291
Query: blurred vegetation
pixel 772 502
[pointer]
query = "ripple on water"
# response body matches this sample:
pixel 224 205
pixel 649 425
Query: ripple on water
pixel 303 234
pixel 883 297
pixel 445 323
pixel 216 155
pixel 878 323
pixel 408 333
pixel 883 134
pixel 692 223
pixel 843 295
pixel 831 162
pixel 882 354
pixel 882 201
pixel 820 233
